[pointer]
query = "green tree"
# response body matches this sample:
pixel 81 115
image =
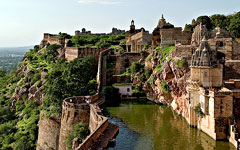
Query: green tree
pixel 112 95
pixel 188 28
pixel 2 73
pixel 80 131
pixel 205 20
pixel 219 21
pixel 67 80
pixel 234 25
pixel 92 87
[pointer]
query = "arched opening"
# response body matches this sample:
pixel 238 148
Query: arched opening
pixel 220 56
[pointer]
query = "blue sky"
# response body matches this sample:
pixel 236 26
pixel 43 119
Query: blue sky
pixel 23 22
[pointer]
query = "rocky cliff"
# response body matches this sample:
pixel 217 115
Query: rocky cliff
pixel 165 79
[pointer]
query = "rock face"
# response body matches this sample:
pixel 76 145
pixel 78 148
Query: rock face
pixel 175 77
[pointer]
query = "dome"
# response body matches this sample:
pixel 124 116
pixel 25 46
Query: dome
pixel 203 56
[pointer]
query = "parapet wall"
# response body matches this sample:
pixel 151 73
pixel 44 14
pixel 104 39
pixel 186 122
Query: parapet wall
pixel 171 36
pixel 52 39
pixel 98 124
pixel 184 51
pixel 75 52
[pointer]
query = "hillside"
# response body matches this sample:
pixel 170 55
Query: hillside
pixel 41 75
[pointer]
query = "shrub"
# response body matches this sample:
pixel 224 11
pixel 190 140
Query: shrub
pixel 199 111
pixel 158 68
pixel 80 131
pixel 92 87
pixel 147 72
pixel 165 87
pixel 136 67
pixel 180 63
pixel 138 91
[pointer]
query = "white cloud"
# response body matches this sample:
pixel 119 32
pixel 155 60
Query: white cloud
pixel 103 2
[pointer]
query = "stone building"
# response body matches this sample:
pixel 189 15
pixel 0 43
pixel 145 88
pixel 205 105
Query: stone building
pixel 84 32
pixel 165 34
pixel 206 89
pixel 136 42
pixel 116 31
pixel 124 89
pixel 133 30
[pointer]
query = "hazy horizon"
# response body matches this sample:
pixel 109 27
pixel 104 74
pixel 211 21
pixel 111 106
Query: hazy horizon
pixel 25 21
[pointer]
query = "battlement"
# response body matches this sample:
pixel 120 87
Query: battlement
pixel 75 103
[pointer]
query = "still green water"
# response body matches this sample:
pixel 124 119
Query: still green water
pixel 147 126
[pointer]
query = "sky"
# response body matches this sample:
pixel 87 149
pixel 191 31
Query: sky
pixel 23 22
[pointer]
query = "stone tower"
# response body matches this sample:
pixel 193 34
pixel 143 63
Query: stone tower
pixel 132 26
pixel 161 22
pixel 205 70
pixel 74 110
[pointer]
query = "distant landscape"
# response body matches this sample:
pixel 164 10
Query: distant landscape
pixel 11 56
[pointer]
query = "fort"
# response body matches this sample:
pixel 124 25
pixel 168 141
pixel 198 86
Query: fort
pixel 211 83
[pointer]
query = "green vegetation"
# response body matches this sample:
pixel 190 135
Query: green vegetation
pixel 122 84
pixel 147 72
pixel 80 131
pixel 163 53
pixel 165 87
pixel 19 119
pixel 96 41
pixel 92 87
pixel 18 129
pixel 67 80
pixel 219 21
pixel 3 73
pixel 112 96
pixel 138 91
pixel 158 68
pixel 136 67
pixel 111 62
pixel 64 35
pixel 234 25
pixel 147 47
pixel 199 111
pixel 229 22
pixel 180 63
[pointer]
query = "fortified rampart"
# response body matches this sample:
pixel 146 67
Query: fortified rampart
pixel 52 39
pixel 53 132
pixel 98 124
pixel 48 135
pixel 72 53
pixel 74 110
pixel 125 60
pixel 171 36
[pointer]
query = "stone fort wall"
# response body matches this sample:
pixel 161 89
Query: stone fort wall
pixel 52 39
pixel 72 53
pixel 74 110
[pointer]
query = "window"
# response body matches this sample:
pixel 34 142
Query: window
pixel 128 89
pixel 220 44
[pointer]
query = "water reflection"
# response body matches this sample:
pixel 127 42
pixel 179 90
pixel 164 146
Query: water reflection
pixel 153 127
